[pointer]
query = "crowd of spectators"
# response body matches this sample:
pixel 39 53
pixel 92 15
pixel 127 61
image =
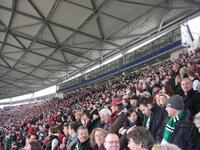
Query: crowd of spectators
pixel 160 105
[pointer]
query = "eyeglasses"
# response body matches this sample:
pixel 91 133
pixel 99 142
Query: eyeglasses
pixel 112 142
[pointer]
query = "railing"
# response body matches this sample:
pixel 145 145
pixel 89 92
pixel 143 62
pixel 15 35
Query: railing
pixel 158 47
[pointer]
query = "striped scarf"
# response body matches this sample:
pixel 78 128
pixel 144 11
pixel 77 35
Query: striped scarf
pixel 170 127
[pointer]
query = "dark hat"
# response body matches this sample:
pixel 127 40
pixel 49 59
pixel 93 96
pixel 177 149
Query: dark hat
pixel 116 101
pixel 175 102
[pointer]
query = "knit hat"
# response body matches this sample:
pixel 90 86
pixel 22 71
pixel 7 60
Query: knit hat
pixel 175 102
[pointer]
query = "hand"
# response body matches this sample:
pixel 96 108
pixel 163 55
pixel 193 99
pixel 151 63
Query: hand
pixel 122 131
pixel 130 129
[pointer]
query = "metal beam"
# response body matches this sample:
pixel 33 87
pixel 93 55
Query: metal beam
pixel 168 4
pixel 99 24
pixel 103 13
pixel 154 5
pixel 28 74
pixel 50 70
pixel 91 49
pixel 193 2
pixel 59 25
pixel 10 22
pixel 47 43
pixel 93 15
pixel 20 87
pixel 45 19
pixel 2 58
pixel 24 48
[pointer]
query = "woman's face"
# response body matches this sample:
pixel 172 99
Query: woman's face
pixel 99 137
pixel 133 117
pixel 163 99
pixel 197 123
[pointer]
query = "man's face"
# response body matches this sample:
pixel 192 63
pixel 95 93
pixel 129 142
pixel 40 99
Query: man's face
pixel 145 110
pixel 170 111
pixel 114 108
pixel 186 85
pixel 83 135
pixel 105 117
pixel 112 142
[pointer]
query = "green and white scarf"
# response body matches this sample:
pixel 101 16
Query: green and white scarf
pixel 170 127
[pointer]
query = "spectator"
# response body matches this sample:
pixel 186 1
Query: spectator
pixel 63 144
pixel 133 102
pixel 175 73
pixel 72 138
pixel 125 101
pixel 154 116
pixel 140 139
pixel 130 124
pixel 165 147
pixel 78 116
pixel 197 120
pixel 86 121
pixel 193 67
pixel 118 116
pixel 131 121
pixel 166 89
pixel 7 142
pixel 16 118
pixel 112 142
pixel 33 145
pixel 83 139
pixel 179 130
pixel 190 97
pixel 97 138
pixel 162 99
pixel 52 143
pixel 197 123
pixel 105 115
pixel 195 81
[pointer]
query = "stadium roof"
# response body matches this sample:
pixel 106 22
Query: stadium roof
pixel 44 41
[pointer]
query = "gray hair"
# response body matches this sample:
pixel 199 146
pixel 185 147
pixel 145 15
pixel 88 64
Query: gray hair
pixel 105 111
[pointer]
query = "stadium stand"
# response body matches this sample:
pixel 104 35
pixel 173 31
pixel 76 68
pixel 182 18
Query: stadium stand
pixel 82 107
pixel 147 98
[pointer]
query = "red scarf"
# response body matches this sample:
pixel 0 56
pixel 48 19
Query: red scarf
pixel 113 117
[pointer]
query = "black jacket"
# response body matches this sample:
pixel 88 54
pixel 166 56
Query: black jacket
pixel 48 145
pixel 118 123
pixel 192 102
pixel 82 146
pixel 185 135
pixel 157 117
pixel 123 139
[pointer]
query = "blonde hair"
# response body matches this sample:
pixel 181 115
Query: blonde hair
pixel 178 79
pixel 165 147
pixel 197 119
pixel 92 136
